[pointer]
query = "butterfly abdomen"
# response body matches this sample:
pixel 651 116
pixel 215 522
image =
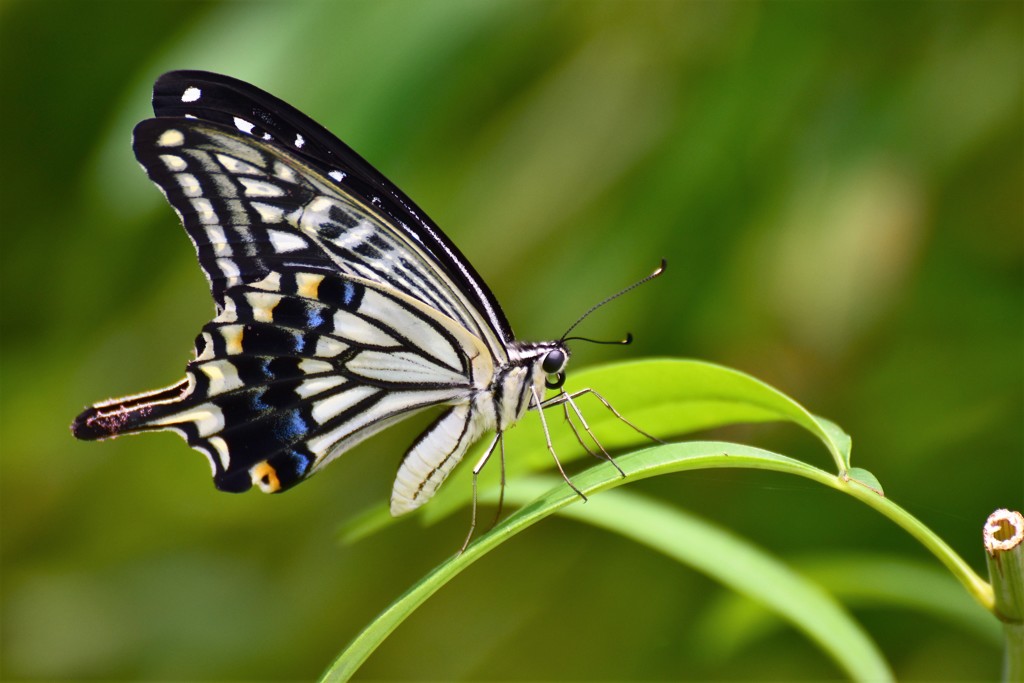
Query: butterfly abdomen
pixel 496 406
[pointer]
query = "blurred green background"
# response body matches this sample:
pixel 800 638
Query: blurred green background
pixel 837 188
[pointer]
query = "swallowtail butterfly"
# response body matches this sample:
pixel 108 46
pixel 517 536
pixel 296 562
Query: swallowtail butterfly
pixel 341 308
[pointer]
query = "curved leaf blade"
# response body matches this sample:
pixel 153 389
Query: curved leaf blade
pixel 864 580
pixel 737 564
pixel 665 397
pixel 637 465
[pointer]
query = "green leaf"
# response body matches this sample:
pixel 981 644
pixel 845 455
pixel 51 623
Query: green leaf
pixel 665 397
pixel 869 581
pixel 853 653
pixel 673 397
pixel 737 564
pixel 865 478
pixel 823 622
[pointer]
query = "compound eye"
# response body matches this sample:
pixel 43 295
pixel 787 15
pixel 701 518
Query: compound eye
pixel 553 362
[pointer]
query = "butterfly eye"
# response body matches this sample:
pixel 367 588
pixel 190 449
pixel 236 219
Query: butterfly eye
pixel 552 365
pixel 554 361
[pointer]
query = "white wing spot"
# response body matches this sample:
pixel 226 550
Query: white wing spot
pixel 357 235
pixel 201 205
pixel 170 138
pixel 268 213
pixel 258 188
pixel 271 283
pixel 402 367
pixel 308 285
pixel 232 336
pixel 284 242
pixel 299 141
pixel 313 367
pixel 320 205
pixel 223 454
pixel 207 418
pixel 263 305
pixel 337 175
pixel 191 94
pixel 228 313
pixel 223 376
pixel 318 385
pixel 284 173
pixel 189 185
pixel 173 163
pixel 243 125
pixel 329 348
pixel 218 240
pixel 190 116
pixel 207 353
pixel 360 330
pixel 330 407
pixel 229 268
pixel 237 165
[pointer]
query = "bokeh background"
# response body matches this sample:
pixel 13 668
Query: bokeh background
pixel 837 188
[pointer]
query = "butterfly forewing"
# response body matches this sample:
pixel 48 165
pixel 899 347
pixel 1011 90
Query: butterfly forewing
pixel 251 207
pixel 237 105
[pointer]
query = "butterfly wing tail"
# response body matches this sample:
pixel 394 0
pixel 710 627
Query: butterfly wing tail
pixel 128 415
pixel 175 408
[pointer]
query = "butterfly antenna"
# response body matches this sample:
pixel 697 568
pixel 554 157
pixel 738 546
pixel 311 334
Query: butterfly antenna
pixel 617 342
pixel 658 271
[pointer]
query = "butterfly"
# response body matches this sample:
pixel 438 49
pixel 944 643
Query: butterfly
pixel 341 308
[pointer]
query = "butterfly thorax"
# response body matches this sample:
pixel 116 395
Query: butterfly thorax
pixel 512 387
pixel 516 385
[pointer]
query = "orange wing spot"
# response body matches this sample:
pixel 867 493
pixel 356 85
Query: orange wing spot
pixel 265 476
pixel 232 338
pixel 308 284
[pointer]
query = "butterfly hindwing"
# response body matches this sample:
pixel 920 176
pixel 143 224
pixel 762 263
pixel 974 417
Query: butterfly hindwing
pixel 296 369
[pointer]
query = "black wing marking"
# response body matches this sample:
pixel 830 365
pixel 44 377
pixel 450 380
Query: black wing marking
pixel 239 105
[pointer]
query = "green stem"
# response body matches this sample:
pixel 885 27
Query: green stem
pixel 1004 548
pixel 975 585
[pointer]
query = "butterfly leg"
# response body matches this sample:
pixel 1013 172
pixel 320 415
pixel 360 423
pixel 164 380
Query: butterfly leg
pixel 551 449
pixel 604 454
pixel 476 472
pixel 501 490
pixel 576 432
pixel 565 397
